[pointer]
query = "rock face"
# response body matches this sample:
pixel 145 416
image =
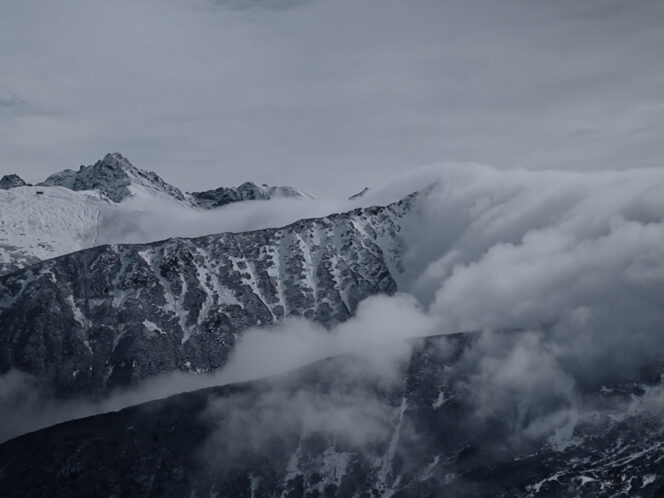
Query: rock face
pixel 116 178
pixel 359 194
pixel 11 181
pixel 248 191
pixel 418 435
pixel 109 316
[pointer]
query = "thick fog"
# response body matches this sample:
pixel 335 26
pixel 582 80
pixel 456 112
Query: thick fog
pixel 572 262
pixel 140 220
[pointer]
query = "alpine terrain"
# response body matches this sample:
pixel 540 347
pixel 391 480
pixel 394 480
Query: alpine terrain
pixel 475 332
pixel 180 304
pixel 73 210
pixel 336 428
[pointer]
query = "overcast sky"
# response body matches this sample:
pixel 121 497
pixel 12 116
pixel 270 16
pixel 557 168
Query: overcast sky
pixel 329 95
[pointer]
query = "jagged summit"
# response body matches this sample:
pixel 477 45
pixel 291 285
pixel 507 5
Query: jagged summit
pixel 116 178
pixel 248 191
pixel 11 181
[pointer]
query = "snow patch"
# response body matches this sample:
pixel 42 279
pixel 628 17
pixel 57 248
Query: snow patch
pixel 152 327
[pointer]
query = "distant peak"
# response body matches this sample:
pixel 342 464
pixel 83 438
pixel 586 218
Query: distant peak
pixel 116 177
pixel 11 181
pixel 111 166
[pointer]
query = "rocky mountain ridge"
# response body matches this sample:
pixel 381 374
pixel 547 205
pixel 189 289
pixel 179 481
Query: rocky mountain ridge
pixel 116 178
pixel 180 304
pixel 420 436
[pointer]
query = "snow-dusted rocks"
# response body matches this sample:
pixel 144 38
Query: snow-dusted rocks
pixel 323 430
pixel 248 191
pixel 116 178
pixel 79 321
pixel 11 181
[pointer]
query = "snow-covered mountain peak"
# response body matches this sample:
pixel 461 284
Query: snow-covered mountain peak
pixel 11 181
pixel 116 178
pixel 110 201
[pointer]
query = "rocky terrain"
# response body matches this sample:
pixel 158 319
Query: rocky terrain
pixel 116 178
pixel 248 191
pixel 11 181
pixel 342 428
pixel 179 304
pixel 560 394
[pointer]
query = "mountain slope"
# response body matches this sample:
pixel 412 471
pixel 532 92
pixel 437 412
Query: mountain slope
pixel 339 428
pixel 38 223
pixel 116 178
pixel 179 304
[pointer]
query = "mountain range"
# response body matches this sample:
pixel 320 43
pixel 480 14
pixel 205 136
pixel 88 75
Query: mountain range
pixel 67 211
pixel 142 309
pixel 521 407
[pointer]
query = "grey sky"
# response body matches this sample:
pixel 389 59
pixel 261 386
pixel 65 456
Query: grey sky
pixel 329 95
